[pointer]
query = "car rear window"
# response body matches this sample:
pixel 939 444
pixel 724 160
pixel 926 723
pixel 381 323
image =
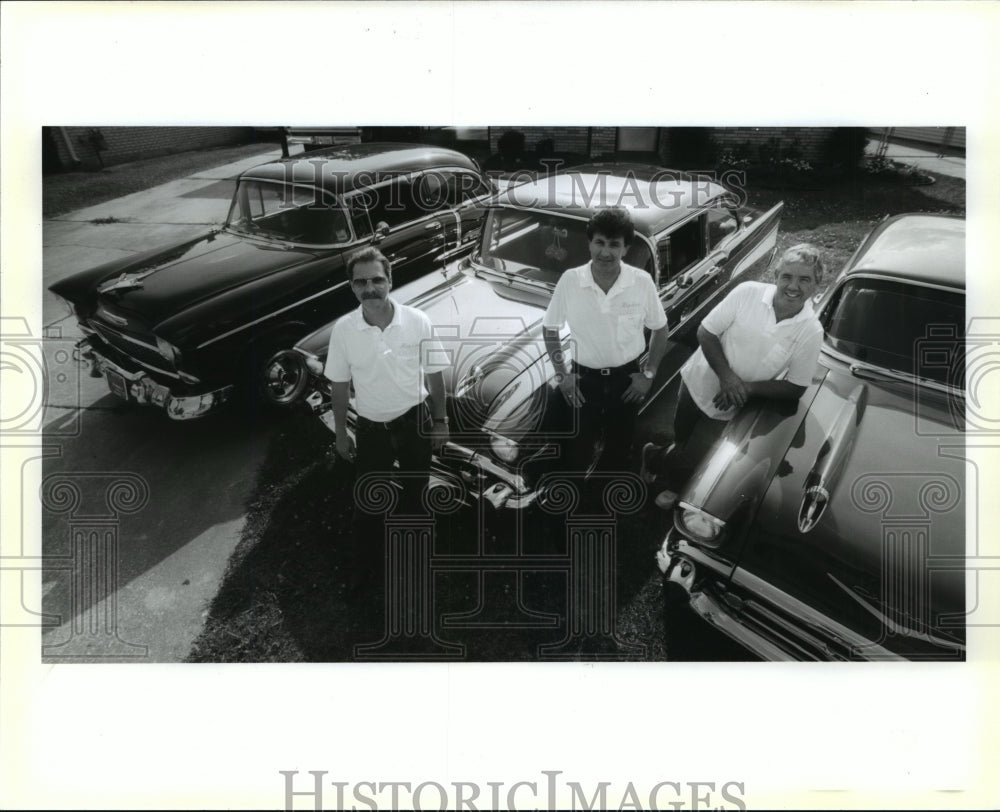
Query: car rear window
pixel 899 326
pixel 540 246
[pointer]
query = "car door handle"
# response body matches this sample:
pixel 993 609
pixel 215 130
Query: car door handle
pixel 435 226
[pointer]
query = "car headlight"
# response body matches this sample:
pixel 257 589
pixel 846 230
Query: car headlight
pixel 168 351
pixel 504 448
pixel 699 525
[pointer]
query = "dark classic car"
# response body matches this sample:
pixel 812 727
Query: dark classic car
pixel 834 528
pixel 693 238
pixel 183 327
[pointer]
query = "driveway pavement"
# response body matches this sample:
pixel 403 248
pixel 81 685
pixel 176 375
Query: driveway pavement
pixel 161 560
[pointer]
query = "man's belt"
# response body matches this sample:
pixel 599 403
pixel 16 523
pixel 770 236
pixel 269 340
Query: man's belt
pixel 409 416
pixel 606 372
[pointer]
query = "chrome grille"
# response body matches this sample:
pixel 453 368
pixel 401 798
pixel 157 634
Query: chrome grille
pixel 139 351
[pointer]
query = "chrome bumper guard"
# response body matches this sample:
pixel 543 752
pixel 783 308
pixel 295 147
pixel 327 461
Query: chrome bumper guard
pixel 684 584
pixel 142 389
pixel 481 476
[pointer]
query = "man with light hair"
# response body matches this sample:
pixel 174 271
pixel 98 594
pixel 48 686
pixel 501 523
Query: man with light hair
pixel 762 340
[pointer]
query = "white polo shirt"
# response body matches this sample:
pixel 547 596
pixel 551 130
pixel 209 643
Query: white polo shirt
pixel 386 366
pixel 606 327
pixel 758 347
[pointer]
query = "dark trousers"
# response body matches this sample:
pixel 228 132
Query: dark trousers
pixel 676 463
pixel 405 440
pixel 603 411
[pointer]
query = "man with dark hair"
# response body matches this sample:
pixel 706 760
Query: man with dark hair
pixel 606 304
pixel 388 351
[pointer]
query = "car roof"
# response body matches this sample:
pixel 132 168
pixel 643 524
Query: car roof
pixel 339 169
pixel 625 168
pixel 928 248
pixel 654 206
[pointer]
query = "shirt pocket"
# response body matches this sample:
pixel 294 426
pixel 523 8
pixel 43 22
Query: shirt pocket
pixel 629 326
pixel 776 359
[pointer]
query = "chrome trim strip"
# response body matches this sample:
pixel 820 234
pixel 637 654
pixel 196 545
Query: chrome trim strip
pixel 815 621
pixel 248 325
pixel 901 280
pixel 105 360
pixel 97 324
pixel 900 377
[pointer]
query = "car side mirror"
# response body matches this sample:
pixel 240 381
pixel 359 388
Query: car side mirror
pixel 381 231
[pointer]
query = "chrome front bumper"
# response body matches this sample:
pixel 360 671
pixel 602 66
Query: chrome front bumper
pixel 688 583
pixel 139 387
pixel 481 477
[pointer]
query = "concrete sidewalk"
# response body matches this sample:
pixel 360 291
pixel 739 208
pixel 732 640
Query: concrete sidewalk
pixel 921 158
pixel 168 213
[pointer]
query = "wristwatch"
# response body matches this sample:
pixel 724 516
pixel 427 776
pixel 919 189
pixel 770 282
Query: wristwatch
pixel 648 374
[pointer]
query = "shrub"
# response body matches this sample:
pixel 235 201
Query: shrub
pixel 845 148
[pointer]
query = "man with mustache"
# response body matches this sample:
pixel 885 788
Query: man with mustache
pixel 388 351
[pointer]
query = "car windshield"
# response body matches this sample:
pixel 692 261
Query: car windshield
pixel 299 214
pixel 538 246
pixel 900 327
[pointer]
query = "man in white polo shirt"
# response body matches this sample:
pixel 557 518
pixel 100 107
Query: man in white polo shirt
pixel 387 350
pixel 762 340
pixel 606 304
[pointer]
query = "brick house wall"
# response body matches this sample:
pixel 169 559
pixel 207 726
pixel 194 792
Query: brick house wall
pixel 806 143
pixel 133 143
pixel 565 139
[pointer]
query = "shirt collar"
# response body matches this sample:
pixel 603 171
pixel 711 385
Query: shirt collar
pixel 626 277
pixel 360 323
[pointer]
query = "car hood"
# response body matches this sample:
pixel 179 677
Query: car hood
pixel 491 331
pixel 158 285
pixel 864 471
pixel 860 440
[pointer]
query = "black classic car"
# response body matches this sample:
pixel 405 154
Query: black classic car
pixel 184 327
pixel 834 528
pixel 693 237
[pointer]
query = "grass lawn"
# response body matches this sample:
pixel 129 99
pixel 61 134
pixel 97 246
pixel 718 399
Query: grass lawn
pixel 838 217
